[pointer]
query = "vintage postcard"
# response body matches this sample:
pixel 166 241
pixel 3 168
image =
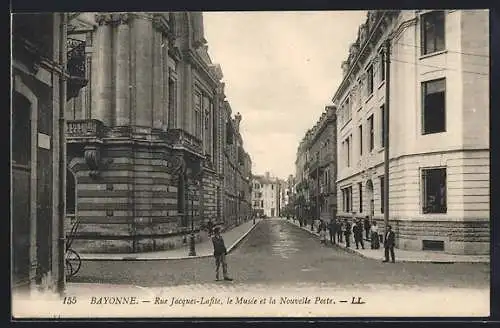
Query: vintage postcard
pixel 250 164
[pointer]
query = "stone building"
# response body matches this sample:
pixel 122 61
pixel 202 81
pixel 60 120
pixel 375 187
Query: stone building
pixel 301 186
pixel 321 166
pixel 265 195
pixel 44 75
pixel 237 172
pixel 145 137
pixel 287 196
pixel 438 108
pixel 316 170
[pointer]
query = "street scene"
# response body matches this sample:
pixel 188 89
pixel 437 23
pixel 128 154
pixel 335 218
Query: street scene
pixel 234 164
pixel 276 251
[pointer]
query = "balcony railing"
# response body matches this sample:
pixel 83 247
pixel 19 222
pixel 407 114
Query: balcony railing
pixel 181 138
pixel 313 166
pixel 76 67
pixel 85 129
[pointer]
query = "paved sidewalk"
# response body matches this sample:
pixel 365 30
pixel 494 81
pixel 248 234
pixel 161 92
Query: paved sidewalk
pixel 204 249
pixel 404 255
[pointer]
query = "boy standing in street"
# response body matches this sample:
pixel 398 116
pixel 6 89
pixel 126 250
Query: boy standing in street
pixel 220 253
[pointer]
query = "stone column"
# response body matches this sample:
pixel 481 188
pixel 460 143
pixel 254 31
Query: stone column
pixel 122 69
pixel 157 81
pixel 187 123
pixel 102 61
pixel 165 87
pixel 143 30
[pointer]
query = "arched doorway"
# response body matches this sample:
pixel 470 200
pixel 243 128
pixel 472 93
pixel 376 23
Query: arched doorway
pixel 21 189
pixel 369 198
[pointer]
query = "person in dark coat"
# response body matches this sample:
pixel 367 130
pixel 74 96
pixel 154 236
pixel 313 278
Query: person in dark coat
pixel 340 228
pixel 389 240
pixel 347 233
pixel 332 229
pixel 358 234
pixel 220 253
pixel 375 242
pixel 210 227
pixel 367 226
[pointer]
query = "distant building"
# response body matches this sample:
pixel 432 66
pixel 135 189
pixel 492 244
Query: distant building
pixel 287 196
pixel 265 195
pixel 316 170
pixel 439 147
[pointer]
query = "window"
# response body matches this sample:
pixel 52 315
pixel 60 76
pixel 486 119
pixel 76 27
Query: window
pixel 197 115
pixel 382 194
pixel 361 139
pixel 381 67
pixel 327 178
pixel 172 99
pixel 370 125
pixel 433 111
pixel 369 84
pixel 21 130
pixel 432 32
pixel 348 149
pixel 382 126
pixel 261 203
pixel 360 189
pixel 434 190
pixel 347 199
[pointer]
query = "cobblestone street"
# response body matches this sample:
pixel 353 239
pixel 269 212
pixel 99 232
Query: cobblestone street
pixel 277 252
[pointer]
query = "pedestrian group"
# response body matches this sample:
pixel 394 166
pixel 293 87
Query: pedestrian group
pixel 361 230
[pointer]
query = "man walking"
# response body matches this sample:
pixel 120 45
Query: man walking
pixel 347 233
pixel 332 230
pixel 358 234
pixel 220 253
pixel 340 230
pixel 389 244
pixel 367 226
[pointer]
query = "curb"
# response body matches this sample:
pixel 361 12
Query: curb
pixel 352 251
pixel 138 258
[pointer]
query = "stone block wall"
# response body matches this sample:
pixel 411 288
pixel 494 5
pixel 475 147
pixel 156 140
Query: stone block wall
pixel 132 205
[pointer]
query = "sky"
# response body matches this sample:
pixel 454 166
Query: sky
pixel 280 69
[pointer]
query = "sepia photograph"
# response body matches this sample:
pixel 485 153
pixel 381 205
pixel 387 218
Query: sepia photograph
pixel 229 164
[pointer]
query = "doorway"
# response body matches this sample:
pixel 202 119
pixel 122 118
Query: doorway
pixel 369 197
pixel 21 189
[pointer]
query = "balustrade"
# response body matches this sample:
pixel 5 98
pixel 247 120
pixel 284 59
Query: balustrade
pixel 85 128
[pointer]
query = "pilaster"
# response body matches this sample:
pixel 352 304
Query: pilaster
pixel 122 71
pixel 157 80
pixel 143 71
pixel 102 64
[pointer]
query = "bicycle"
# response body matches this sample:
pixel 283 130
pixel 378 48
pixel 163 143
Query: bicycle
pixel 73 261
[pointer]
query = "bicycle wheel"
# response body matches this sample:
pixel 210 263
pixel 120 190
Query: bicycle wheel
pixel 69 268
pixel 74 261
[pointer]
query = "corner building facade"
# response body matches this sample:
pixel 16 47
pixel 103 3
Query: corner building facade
pixel 438 146
pixel 144 146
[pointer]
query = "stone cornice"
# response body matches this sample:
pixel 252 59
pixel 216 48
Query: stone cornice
pixel 194 59
pixel 161 24
pixel 112 18
pixel 361 53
